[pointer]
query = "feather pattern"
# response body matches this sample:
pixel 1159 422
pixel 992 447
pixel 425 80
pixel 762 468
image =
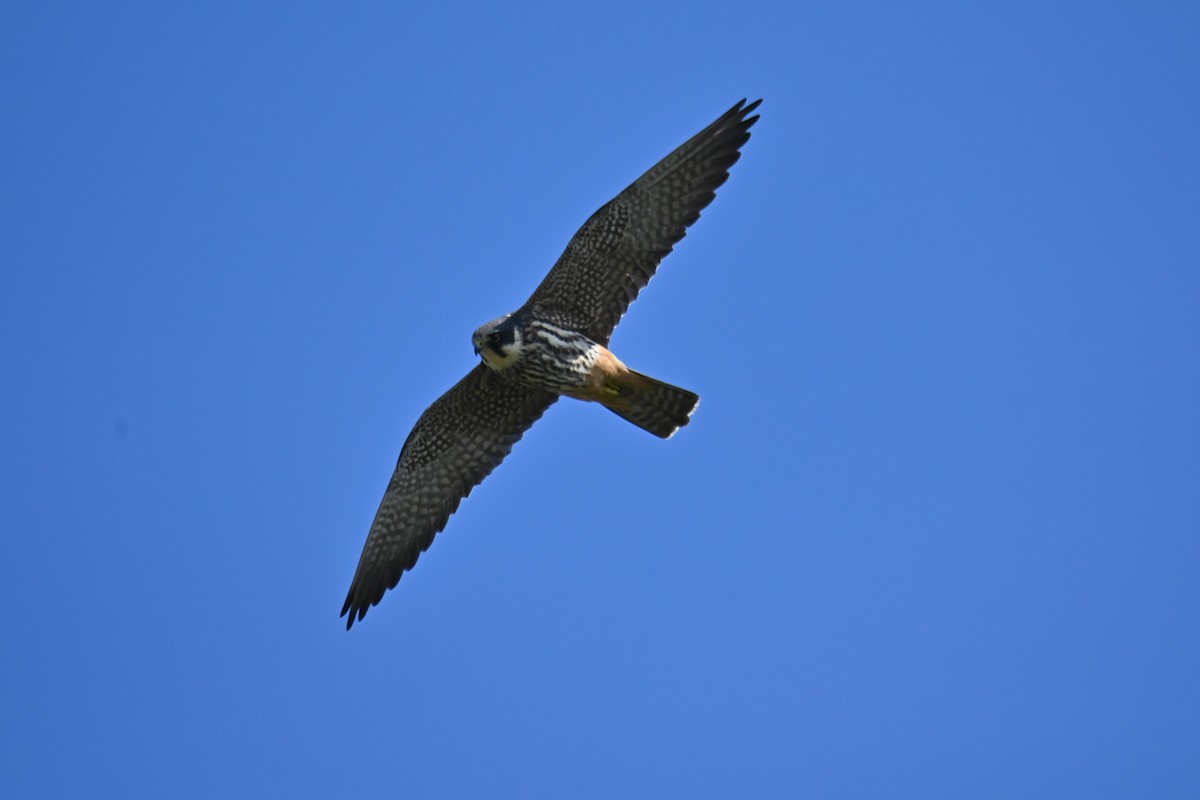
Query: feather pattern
pixel 617 251
pixel 456 443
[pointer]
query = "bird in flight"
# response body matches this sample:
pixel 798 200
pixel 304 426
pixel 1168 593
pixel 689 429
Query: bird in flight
pixel 556 344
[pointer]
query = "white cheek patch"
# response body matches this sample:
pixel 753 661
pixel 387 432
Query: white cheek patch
pixel 511 353
pixel 497 361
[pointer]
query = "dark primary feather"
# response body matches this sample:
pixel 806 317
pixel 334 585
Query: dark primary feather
pixel 618 249
pixel 459 439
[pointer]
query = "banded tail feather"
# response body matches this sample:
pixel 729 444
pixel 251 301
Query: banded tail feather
pixel 652 405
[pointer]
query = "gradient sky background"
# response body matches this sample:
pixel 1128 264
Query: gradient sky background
pixel 932 533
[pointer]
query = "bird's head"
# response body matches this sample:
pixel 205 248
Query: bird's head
pixel 498 342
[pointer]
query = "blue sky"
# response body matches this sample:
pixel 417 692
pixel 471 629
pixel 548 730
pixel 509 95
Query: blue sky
pixel 932 532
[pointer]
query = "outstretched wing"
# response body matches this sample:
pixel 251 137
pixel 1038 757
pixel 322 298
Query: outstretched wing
pixel 616 252
pixel 456 443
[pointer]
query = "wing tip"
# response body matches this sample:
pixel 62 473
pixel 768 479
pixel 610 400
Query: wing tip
pixel 741 111
pixel 356 610
pixel 359 600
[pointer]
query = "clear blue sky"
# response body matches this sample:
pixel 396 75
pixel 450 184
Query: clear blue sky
pixel 934 530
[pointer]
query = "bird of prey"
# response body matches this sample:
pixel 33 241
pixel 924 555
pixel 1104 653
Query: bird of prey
pixel 556 344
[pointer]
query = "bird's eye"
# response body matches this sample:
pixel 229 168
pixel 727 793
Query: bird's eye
pixel 493 337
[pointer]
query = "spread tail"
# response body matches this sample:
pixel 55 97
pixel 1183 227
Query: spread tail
pixel 653 406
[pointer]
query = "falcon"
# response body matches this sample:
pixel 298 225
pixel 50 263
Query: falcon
pixel 556 344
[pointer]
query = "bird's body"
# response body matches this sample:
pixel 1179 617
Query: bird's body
pixel 554 345
pixel 537 352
